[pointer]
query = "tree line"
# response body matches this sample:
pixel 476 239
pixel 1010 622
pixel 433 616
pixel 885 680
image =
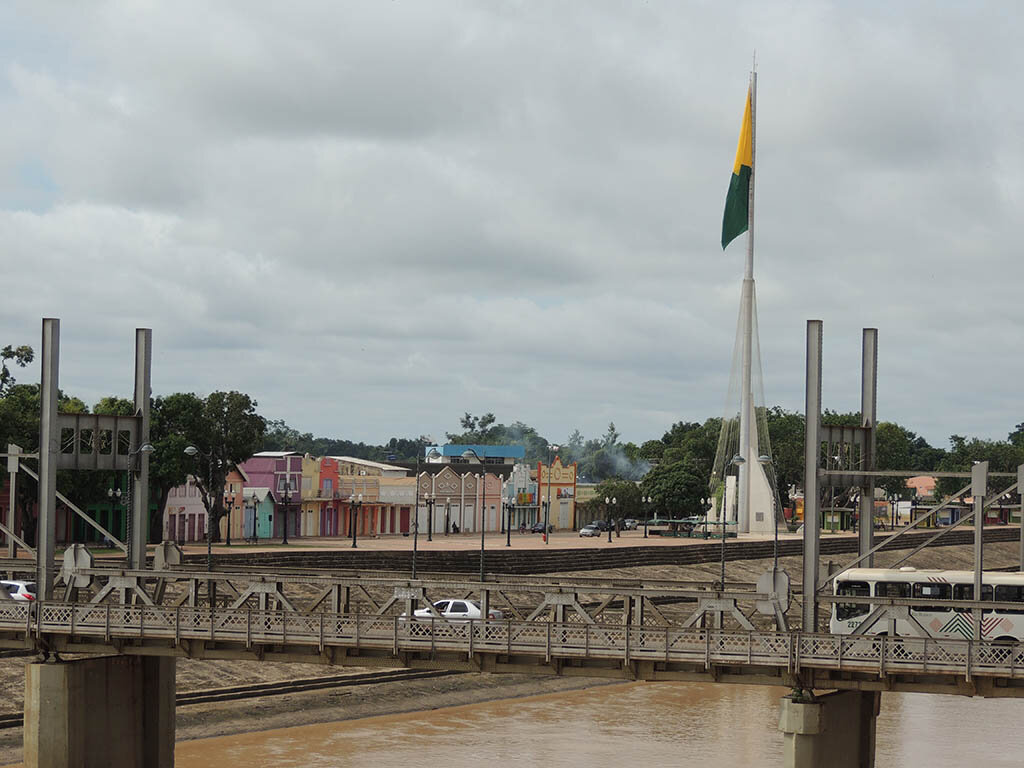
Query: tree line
pixel 672 470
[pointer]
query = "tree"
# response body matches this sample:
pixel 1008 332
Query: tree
pixel 676 489
pixel 229 431
pixel 20 356
pixel 1002 455
pixel 174 420
pixel 626 495
pixel 786 430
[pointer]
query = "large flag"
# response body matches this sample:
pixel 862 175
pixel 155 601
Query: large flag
pixel 734 222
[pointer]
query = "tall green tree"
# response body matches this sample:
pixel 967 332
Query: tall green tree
pixel 20 356
pixel 228 431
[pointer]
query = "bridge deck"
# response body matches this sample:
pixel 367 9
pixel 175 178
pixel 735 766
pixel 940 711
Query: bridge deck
pixel 628 651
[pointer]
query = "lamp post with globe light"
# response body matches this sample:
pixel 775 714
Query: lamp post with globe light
pixel 613 501
pixel 468 454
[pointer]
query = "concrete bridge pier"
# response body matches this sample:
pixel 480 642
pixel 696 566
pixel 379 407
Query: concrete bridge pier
pixel 115 711
pixel 835 730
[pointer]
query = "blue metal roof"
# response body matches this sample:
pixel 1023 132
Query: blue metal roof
pixel 483 451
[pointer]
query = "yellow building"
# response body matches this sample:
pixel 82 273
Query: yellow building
pixel 556 487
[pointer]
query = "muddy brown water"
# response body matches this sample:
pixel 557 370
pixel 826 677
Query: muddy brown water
pixel 638 724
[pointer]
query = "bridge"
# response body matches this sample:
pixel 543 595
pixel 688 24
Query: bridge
pixel 117 706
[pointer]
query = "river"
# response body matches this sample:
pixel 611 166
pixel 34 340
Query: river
pixel 637 724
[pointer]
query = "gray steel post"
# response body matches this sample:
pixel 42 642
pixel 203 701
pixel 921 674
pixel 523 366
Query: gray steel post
pixel 979 485
pixel 12 469
pixel 49 448
pixel 1020 491
pixel 140 469
pixel 868 415
pixel 812 447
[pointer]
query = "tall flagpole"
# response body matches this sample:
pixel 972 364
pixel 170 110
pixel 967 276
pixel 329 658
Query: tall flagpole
pixel 746 398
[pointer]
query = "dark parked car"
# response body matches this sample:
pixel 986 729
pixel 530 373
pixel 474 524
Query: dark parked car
pixel 539 528
pixel 602 525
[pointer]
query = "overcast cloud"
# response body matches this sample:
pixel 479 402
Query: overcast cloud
pixel 374 216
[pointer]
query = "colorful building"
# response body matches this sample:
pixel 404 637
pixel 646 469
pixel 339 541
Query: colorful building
pixel 556 486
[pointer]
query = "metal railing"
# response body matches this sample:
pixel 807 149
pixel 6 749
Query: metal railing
pixel 395 634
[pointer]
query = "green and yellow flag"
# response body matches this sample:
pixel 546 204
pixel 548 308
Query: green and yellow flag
pixel 734 222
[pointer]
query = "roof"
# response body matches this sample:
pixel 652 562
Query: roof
pixel 483 451
pixel 275 454
pixel 368 463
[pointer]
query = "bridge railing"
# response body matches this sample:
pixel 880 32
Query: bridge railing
pixel 567 640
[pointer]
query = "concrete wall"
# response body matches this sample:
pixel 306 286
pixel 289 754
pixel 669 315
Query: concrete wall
pixel 835 730
pixel 111 711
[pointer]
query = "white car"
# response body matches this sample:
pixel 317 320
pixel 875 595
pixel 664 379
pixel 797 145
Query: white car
pixel 590 530
pixel 455 611
pixel 18 590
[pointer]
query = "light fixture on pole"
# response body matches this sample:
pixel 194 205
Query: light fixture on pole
pixel 766 462
pixel 195 453
pixel 613 501
pixel 552 452
pixel 468 454
pixel 354 504
pixel 255 507
pixel 647 511
pixel 114 495
pixel 737 461
pixel 508 523
pixel 432 454
pixel 447 513
pixel 431 498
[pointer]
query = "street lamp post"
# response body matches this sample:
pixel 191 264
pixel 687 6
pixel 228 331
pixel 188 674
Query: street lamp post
pixel 255 506
pixel 766 462
pixel 508 523
pixel 647 511
pixel 114 494
pixel 552 451
pixel 430 499
pixel 737 461
pixel 613 501
pixel 287 500
pixel 195 453
pixel 354 504
pixel 447 513
pixel 469 453
pixel 432 454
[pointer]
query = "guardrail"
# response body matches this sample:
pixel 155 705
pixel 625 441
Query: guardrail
pixel 543 640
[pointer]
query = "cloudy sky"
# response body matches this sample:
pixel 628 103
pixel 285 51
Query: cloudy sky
pixel 374 216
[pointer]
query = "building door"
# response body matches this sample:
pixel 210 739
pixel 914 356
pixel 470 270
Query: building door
pixel 264 521
pixel 403 520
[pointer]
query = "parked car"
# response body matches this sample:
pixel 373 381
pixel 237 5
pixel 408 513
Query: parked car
pixel 629 524
pixel 602 525
pixel 539 528
pixel 455 611
pixel 590 530
pixel 19 590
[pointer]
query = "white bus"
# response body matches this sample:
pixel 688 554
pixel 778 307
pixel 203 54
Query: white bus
pixel 1001 625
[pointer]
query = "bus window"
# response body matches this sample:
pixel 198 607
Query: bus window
pixel 966 591
pixel 925 590
pixel 1010 593
pixel 892 589
pixel 852 610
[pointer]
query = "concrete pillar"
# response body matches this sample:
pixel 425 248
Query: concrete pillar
pixel 115 711
pixel 836 730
